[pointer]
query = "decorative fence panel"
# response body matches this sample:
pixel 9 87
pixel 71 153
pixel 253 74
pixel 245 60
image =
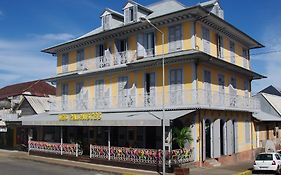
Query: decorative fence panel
pixel 141 156
pixel 55 148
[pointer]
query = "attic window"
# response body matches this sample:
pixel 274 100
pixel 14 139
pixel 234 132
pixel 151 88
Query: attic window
pixel 106 22
pixel 131 14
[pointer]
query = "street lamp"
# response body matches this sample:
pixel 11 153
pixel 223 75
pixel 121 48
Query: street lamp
pixel 143 19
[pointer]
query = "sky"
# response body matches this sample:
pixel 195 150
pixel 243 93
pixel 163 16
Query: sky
pixel 26 27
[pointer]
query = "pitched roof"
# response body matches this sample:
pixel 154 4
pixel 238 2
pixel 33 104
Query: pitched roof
pixel 271 90
pixel 39 104
pixel 36 88
pixel 274 101
pixel 164 7
pixel 208 3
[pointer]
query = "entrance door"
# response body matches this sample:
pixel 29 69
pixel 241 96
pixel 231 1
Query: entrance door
pixel 208 138
pixel 150 138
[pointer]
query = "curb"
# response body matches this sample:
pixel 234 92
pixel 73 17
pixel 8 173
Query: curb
pixel 248 172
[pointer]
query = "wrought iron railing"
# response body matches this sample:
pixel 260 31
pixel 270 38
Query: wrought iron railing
pixel 55 148
pixel 141 155
pixel 182 99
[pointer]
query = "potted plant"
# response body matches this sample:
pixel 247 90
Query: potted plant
pixel 181 136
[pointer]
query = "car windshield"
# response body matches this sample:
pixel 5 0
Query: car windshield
pixel 264 157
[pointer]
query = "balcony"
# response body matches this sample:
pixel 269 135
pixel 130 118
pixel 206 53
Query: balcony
pixel 110 60
pixel 184 99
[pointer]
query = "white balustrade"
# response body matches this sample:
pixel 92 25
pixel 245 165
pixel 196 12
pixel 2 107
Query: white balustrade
pixel 182 99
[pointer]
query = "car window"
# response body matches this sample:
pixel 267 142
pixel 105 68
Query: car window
pixel 265 157
pixel 277 156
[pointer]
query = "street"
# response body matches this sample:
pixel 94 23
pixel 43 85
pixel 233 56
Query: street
pixel 11 166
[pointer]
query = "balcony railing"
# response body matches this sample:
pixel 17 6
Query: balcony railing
pixel 110 60
pixel 181 99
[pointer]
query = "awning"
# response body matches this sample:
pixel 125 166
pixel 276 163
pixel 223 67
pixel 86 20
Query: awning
pixel 265 117
pixel 109 119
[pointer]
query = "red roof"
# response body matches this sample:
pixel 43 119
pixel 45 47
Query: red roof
pixel 37 88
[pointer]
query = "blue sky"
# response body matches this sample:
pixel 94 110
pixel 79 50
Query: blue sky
pixel 28 26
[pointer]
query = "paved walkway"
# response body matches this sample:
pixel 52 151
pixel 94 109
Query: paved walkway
pixel 222 170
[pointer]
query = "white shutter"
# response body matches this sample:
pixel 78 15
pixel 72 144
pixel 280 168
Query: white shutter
pixel 140 46
pixel 235 127
pixel 127 15
pixel 172 38
pixel 232 52
pixel 217 139
pixel 204 140
pixel 206 39
pixel 178 35
pixel 135 11
pixel 229 137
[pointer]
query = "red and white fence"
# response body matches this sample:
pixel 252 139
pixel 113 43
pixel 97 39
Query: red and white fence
pixel 55 148
pixel 139 155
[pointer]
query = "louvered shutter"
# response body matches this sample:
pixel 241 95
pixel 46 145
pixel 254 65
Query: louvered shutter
pixel 178 36
pixel 230 137
pixel 172 44
pixel 127 15
pixel 206 39
pixel 217 139
pixel 235 132
pixel 135 11
pixel 232 52
pixel 140 45
pixel 204 139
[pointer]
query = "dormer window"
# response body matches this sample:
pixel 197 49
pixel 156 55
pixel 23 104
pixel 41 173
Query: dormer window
pixel 131 14
pixel 106 22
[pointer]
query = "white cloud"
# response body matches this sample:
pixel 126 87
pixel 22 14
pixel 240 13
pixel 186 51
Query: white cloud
pixel 271 61
pixel 55 37
pixel 21 60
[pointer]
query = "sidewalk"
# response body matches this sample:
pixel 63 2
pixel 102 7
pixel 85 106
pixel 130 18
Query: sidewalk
pixel 222 170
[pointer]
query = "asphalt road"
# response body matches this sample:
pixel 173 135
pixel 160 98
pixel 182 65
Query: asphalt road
pixel 9 166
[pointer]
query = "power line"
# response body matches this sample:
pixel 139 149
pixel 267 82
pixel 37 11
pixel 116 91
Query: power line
pixel 264 53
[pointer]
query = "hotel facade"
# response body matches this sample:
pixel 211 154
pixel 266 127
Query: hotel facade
pixel 109 87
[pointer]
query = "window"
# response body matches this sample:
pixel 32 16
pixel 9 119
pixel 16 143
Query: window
pixel 99 50
pixel 277 156
pixel 175 38
pixel 65 62
pixel 206 39
pixel 220 46
pixel 232 51
pixel 149 43
pixel 64 95
pixel 131 14
pixel 176 92
pixel 80 59
pixel 247 131
pixel 245 58
pixel 149 91
pixel 106 22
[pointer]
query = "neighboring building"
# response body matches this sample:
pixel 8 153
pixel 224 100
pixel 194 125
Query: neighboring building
pixel 115 73
pixel 17 101
pixel 267 124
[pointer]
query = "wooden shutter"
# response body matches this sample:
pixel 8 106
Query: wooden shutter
pixel 172 38
pixel 216 139
pixel 203 140
pixel 178 37
pixel 206 39
pixel 229 137
pixel 127 15
pixel 135 11
pixel 140 45
pixel 232 51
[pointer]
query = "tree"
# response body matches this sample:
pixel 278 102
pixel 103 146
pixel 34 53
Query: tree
pixel 182 136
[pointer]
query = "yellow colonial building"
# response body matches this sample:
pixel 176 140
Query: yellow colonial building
pixel 109 84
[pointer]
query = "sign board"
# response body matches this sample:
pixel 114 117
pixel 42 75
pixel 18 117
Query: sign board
pixel 80 117
pixel 3 129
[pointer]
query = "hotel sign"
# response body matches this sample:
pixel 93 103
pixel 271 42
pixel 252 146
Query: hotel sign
pixel 80 117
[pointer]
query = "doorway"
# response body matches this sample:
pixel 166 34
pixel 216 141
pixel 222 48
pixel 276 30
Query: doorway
pixel 208 138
